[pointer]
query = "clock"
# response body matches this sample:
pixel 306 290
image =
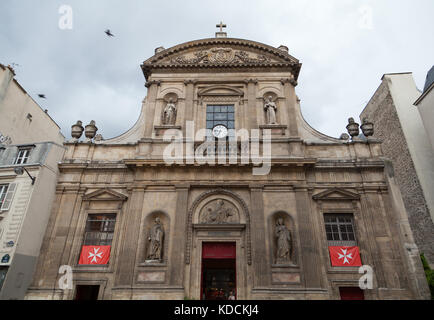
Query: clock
pixel 220 131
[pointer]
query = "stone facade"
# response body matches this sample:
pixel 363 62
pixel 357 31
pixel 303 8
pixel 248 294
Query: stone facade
pixel 226 202
pixel 399 125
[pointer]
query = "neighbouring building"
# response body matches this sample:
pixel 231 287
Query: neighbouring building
pixel 30 148
pixel 425 105
pixel 22 120
pixel 400 126
pixel 152 214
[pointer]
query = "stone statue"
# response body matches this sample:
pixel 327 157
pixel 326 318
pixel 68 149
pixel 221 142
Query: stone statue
pixel 156 235
pixel 283 243
pixel 169 113
pixel 270 108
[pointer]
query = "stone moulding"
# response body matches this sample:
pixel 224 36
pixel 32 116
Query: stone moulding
pixel 297 162
pixel 190 226
pixel 341 194
pixel 218 53
pixel 104 195
pixel 161 129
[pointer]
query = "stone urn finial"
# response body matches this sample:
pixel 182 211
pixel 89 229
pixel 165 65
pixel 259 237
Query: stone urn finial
pixel 367 127
pixel 353 128
pixel 344 136
pixel 77 130
pixel 90 130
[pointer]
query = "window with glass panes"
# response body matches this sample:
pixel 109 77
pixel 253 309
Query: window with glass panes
pixel 99 229
pixel 220 114
pixel 22 155
pixel 340 229
pixel 3 192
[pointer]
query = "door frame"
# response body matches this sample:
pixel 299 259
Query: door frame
pixel 218 233
pixel 202 266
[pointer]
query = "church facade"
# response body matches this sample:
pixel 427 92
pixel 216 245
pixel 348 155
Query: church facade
pixel 251 208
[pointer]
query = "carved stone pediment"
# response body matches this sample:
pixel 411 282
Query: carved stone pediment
pixel 104 195
pixel 336 194
pixel 224 55
pixel 218 53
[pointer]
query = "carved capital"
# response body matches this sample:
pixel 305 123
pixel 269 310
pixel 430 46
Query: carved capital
pixel 149 83
pixel 290 80
pixel 251 80
pixel 190 81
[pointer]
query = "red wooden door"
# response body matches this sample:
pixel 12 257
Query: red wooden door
pixel 351 293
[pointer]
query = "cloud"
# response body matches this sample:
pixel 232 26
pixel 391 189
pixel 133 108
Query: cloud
pixel 89 76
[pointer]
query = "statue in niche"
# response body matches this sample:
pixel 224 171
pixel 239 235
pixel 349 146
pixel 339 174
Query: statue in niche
pixel 156 236
pixel 270 108
pixel 219 214
pixel 283 243
pixel 169 113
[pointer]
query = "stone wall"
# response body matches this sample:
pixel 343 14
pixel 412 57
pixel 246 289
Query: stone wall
pixel 382 112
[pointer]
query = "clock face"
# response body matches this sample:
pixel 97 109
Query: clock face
pixel 220 131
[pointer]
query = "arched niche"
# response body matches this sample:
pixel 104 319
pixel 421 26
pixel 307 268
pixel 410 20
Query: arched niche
pixel 274 97
pixel 210 200
pixel 289 223
pixel 149 222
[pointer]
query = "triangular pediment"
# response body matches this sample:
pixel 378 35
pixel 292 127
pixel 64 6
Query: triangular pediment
pixel 105 195
pixel 221 52
pixel 336 194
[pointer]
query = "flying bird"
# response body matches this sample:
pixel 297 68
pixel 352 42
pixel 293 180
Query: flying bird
pixel 108 33
pixel 42 96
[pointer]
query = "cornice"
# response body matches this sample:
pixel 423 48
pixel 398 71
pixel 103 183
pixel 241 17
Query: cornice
pixel 288 61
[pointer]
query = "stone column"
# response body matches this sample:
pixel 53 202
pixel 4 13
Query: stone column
pixel 260 262
pixel 251 104
pixel 189 105
pixel 150 107
pixel 310 255
pixel 130 234
pixel 373 226
pixel 55 237
pixel 290 105
pixel 176 261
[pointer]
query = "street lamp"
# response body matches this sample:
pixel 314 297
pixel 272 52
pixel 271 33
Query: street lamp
pixel 20 171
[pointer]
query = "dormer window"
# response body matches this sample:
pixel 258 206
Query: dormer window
pixel 22 155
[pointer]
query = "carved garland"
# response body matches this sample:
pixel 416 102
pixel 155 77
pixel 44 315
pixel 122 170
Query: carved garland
pixel 189 242
pixel 220 55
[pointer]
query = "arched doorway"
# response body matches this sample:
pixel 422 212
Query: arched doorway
pixel 218 250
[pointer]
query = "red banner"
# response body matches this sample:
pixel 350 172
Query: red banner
pixel 218 250
pixel 94 255
pixel 345 256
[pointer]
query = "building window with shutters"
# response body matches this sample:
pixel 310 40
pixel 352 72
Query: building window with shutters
pixel 22 155
pixel 6 195
pixel 99 229
pixel 340 229
pixel 3 192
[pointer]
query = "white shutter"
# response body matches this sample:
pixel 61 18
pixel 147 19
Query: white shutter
pixel 9 196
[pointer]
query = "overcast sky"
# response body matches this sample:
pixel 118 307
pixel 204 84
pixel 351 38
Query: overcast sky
pixel 345 47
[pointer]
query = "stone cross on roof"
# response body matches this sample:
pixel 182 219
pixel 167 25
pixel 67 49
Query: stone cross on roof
pixel 221 34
